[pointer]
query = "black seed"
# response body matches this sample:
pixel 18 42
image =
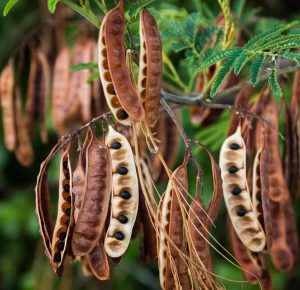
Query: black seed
pixel 62 236
pixel 61 246
pixel 57 257
pixel 67 188
pixel 123 115
pixel 236 191
pixel 67 222
pixel 241 211
pixel 122 170
pixel 68 175
pixel 232 169
pixel 69 199
pixel 68 211
pixel 234 146
pixel 125 194
pixel 116 145
pixel 65 164
pixel 113 91
pixel 119 236
pixel 122 219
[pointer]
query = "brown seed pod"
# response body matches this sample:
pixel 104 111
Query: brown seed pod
pixel 94 208
pixel 114 72
pixel 60 88
pixel 60 237
pixel 236 193
pixel 253 264
pixel 150 67
pixel 98 262
pixel 172 218
pixel 7 104
pixel 125 197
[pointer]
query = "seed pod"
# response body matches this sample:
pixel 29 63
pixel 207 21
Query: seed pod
pixel 60 88
pixel 150 67
pixel 172 219
pixel 98 263
pixel 125 197
pixel 260 192
pixel 93 212
pixel 7 104
pixel 115 77
pixel 60 238
pixel 253 264
pixel 236 193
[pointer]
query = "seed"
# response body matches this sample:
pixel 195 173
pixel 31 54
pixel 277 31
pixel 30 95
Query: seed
pixel 125 194
pixel 232 169
pixel 67 222
pixel 234 146
pixel 119 236
pixel 69 199
pixel 116 145
pixel 122 219
pixel 68 211
pixel 62 236
pixel 122 170
pixel 65 164
pixel 241 211
pixel 57 257
pixel 123 115
pixel 236 191
pixel 61 246
pixel 68 175
pixel 67 188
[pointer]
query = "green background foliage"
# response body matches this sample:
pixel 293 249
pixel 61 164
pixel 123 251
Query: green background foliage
pixel 23 264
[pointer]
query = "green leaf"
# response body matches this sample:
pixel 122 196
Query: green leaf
pixel 52 5
pixel 92 76
pixel 206 36
pixel 290 55
pixel 9 5
pixel 179 45
pixel 273 83
pixel 135 8
pixel 239 62
pixel 81 66
pixel 238 7
pixel 218 56
pixel 255 68
pixel 224 72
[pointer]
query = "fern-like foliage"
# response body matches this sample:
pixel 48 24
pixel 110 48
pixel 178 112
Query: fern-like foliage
pixel 136 7
pixel 9 5
pixel 265 47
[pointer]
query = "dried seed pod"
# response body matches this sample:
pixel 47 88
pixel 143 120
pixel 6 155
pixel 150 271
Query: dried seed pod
pixel 60 237
pixel 7 104
pixel 60 88
pixel 150 67
pixel 125 197
pixel 171 217
pixel 115 77
pixel 252 263
pixel 94 208
pixel 236 193
pixel 98 262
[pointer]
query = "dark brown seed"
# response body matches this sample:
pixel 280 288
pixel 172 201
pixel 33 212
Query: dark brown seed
pixel 234 146
pixel 122 170
pixel 232 169
pixel 119 236
pixel 116 145
pixel 241 211
pixel 236 191
pixel 122 219
pixel 125 194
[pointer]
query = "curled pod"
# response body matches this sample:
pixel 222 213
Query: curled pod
pixel 150 67
pixel 236 193
pixel 60 237
pixel 60 88
pixel 98 262
pixel 8 107
pixel 172 218
pixel 260 192
pixel 125 196
pixel 112 55
pixel 93 212
pixel 252 264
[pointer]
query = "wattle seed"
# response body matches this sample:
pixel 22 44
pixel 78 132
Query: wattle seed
pixel 241 211
pixel 236 191
pixel 122 219
pixel 116 145
pixel 57 257
pixel 123 115
pixel 67 188
pixel 232 169
pixel 122 170
pixel 119 236
pixel 125 194
pixel 62 236
pixel 65 164
pixel 234 146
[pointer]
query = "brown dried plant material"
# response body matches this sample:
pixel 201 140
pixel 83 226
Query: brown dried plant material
pixel 60 88
pixel 115 76
pixel 98 262
pixel 8 107
pixel 150 67
pixel 253 264
pixel 61 232
pixel 92 215
pixel 172 267
pixel 237 195
pixel 23 151
pixel 125 196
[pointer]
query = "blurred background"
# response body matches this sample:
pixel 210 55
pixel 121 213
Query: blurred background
pixel 23 264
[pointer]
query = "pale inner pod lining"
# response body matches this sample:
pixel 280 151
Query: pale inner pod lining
pixel 142 66
pixel 237 195
pixel 108 87
pixel 256 186
pixel 123 210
